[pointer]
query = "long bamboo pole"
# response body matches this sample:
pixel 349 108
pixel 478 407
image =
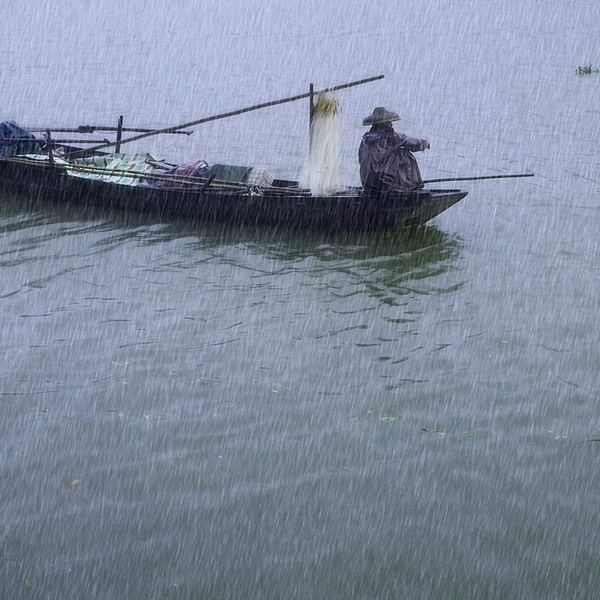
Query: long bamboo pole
pixel 232 113
pixel 93 128
pixel 478 178
pixel 11 141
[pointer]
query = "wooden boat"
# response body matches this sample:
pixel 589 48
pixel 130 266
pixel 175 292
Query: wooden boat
pixel 205 196
pixel 208 199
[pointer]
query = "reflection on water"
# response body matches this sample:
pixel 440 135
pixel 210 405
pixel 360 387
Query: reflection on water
pixel 384 266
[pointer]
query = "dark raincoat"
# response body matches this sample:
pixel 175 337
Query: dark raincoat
pixel 386 161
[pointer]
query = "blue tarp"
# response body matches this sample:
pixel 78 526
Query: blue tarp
pixel 27 143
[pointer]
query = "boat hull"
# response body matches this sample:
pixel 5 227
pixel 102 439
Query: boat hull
pixel 285 207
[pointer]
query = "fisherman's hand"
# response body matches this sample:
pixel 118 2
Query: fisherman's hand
pixel 427 145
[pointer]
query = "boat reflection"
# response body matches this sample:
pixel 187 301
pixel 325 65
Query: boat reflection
pixel 385 266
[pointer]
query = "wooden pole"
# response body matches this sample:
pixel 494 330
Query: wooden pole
pixel 232 113
pixel 49 143
pixel 311 113
pixel 119 134
pixel 94 128
pixel 478 178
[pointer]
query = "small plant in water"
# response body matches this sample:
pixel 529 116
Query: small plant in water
pixel 587 70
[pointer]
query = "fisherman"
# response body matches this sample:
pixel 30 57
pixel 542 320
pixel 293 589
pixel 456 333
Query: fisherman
pixel 385 157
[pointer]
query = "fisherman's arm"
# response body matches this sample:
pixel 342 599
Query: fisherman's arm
pixel 413 144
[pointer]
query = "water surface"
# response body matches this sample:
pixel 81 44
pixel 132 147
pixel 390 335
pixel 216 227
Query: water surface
pixel 197 412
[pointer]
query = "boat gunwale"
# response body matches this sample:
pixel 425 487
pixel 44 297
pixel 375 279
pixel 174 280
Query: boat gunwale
pixel 286 206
